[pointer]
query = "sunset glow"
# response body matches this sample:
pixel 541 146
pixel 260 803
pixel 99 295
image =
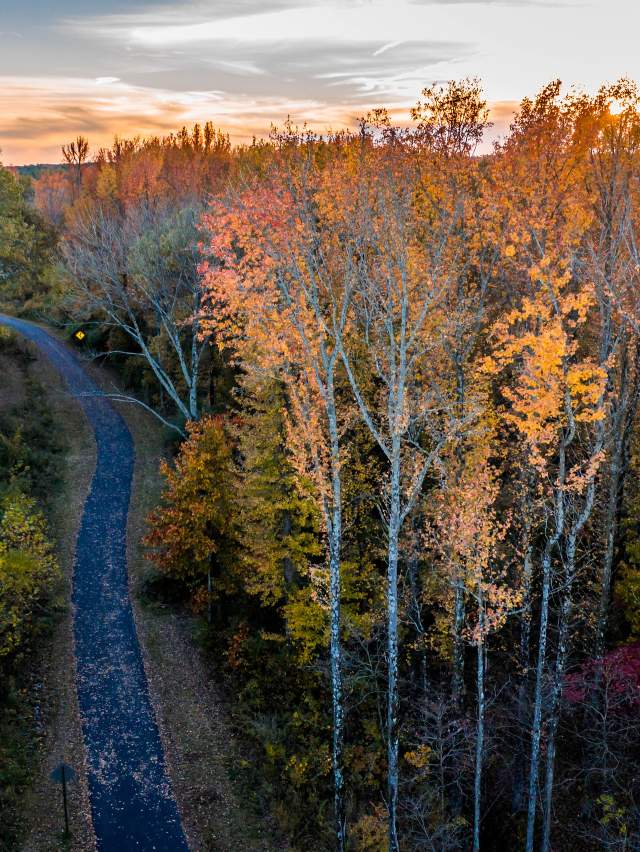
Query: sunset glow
pixel 102 68
pixel 110 67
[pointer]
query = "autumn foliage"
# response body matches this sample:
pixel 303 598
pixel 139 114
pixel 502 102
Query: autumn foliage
pixel 406 373
pixel 192 531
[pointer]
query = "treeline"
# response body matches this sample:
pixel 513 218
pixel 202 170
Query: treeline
pixel 31 454
pixel 30 578
pixel 27 245
pixel 406 380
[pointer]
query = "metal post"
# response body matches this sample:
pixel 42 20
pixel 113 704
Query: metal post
pixel 64 800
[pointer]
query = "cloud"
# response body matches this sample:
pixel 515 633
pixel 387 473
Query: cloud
pixel 102 67
pixel 147 67
pixel 543 4
pixel 37 115
pixel 313 68
pixel 207 50
pixel 45 113
pixel 178 23
pixel 386 47
pixel 339 71
pixel 46 10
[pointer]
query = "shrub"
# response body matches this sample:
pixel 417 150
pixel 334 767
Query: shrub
pixel 28 574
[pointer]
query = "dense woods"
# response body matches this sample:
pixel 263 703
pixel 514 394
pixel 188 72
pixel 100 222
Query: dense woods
pixel 30 579
pixel 399 381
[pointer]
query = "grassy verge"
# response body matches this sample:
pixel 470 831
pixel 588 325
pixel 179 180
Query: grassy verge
pixel 42 725
pixel 197 739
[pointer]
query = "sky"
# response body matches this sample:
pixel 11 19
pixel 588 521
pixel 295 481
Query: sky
pixel 129 67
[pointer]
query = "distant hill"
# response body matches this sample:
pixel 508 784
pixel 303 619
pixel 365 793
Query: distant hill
pixel 36 169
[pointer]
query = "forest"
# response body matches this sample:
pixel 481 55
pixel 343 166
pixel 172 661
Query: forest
pixel 398 381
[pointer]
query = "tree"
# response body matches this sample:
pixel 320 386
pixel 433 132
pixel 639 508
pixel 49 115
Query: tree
pixel 192 534
pixel 278 515
pixel 554 394
pixel 611 263
pixel 139 273
pixel 429 445
pixel 468 536
pixel 75 155
pixel 403 245
pixel 451 122
pixel 27 244
pixel 274 293
pixel 28 571
pixel 52 196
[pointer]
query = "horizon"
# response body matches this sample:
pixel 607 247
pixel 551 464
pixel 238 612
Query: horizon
pixel 107 67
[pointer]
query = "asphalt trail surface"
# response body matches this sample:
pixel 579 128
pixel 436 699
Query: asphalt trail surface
pixel 132 803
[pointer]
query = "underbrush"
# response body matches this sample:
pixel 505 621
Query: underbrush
pixel 31 447
pixel 31 458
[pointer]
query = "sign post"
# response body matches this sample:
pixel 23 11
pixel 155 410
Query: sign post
pixel 63 774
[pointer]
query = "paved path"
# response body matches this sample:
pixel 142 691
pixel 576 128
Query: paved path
pixel 131 798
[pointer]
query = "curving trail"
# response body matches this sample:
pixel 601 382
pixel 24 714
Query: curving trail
pixel 132 803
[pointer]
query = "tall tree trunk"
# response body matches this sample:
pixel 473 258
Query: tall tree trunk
pixel 613 502
pixel 536 725
pixel 392 645
pixel 335 547
pixel 457 693
pixel 554 715
pixel 457 676
pixel 517 794
pixel 193 396
pixel 477 785
pixel 336 691
pixel 196 352
pixel 563 647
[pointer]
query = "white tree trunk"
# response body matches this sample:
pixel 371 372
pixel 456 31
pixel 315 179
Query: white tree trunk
pixel 517 796
pixel 554 715
pixel 536 725
pixel 457 682
pixel 335 545
pixel 477 785
pixel 392 645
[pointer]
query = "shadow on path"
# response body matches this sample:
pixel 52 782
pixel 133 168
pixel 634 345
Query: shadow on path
pixel 132 803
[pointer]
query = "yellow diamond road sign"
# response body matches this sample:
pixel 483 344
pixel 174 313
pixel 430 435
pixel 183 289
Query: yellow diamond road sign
pixel 80 335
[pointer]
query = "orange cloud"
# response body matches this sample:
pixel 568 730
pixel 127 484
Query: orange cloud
pixel 39 114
